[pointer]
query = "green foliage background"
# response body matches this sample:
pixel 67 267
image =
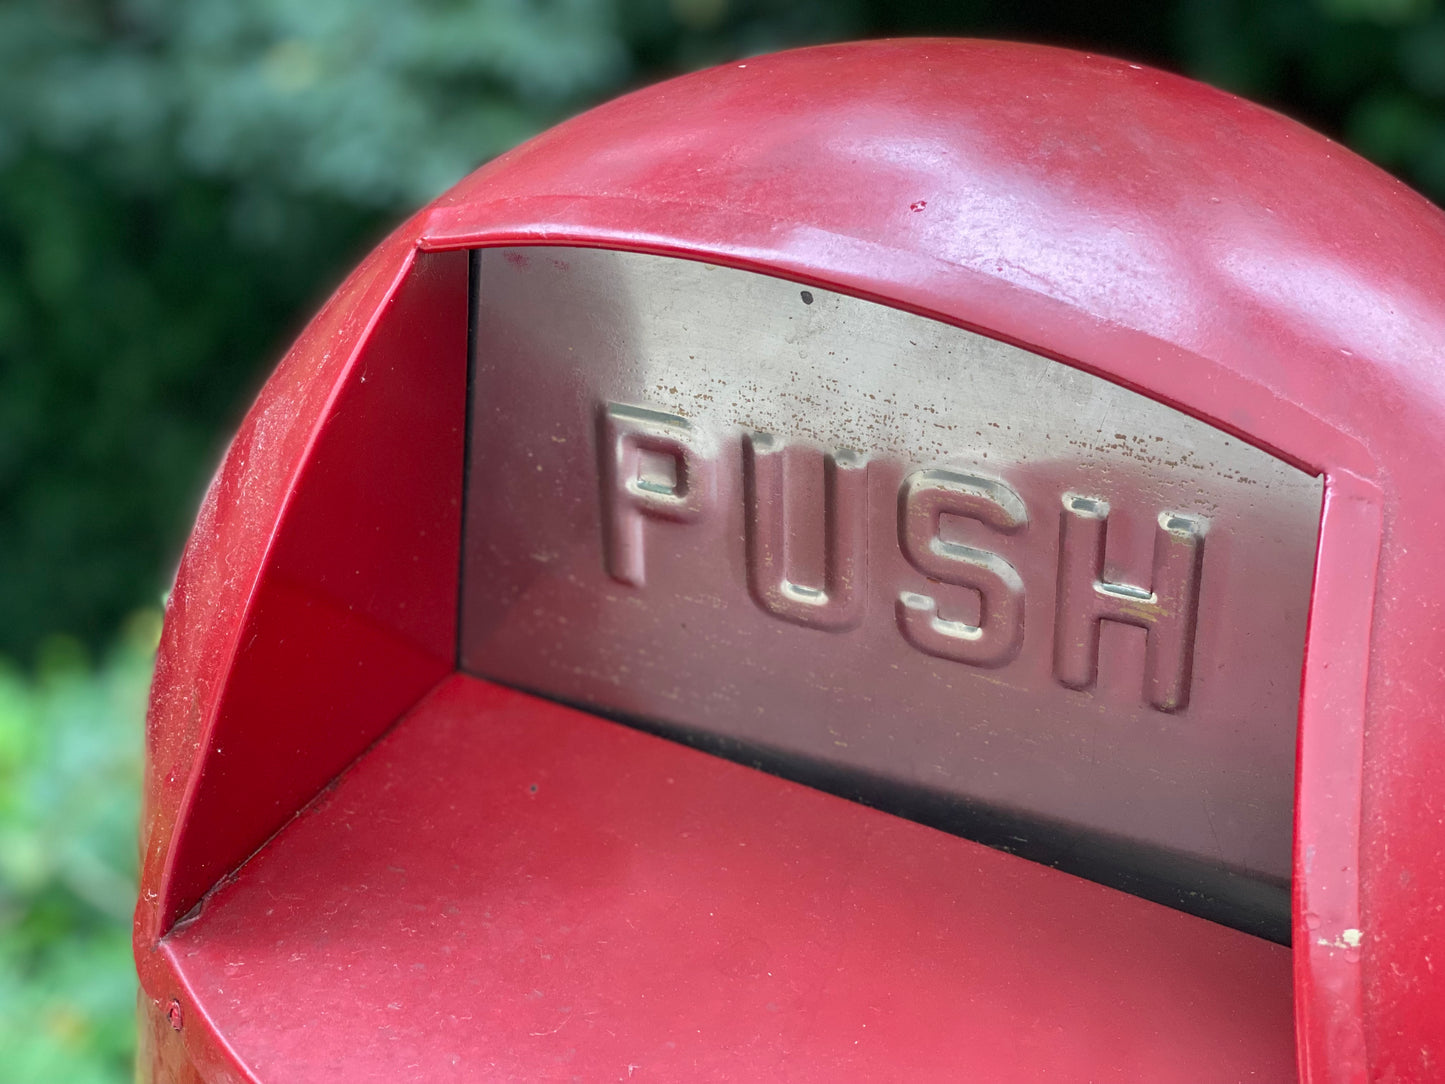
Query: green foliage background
pixel 70 761
pixel 181 181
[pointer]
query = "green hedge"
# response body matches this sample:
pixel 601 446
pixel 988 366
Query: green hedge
pixel 70 765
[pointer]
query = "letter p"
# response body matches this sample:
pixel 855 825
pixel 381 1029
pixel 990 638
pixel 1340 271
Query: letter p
pixel 651 468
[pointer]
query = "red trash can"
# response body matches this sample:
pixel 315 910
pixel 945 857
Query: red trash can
pixel 911 560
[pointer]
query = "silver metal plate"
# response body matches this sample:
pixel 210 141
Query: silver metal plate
pixel 893 558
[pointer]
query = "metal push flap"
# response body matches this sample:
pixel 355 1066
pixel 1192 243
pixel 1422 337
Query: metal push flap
pixel 893 558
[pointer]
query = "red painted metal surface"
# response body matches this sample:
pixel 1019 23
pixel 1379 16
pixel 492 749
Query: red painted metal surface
pixel 506 889
pixel 1175 239
pixel 324 570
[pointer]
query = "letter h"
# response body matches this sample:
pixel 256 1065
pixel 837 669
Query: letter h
pixel 1167 611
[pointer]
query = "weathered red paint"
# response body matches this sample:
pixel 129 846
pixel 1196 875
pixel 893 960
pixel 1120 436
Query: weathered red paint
pixel 1175 239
